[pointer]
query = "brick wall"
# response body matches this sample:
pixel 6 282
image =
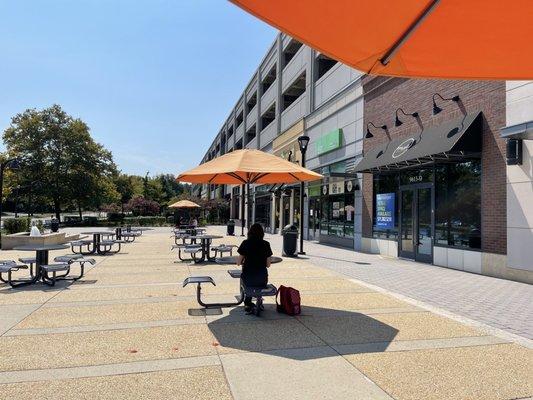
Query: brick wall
pixel 384 95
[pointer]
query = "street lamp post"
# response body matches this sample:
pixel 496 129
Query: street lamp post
pixel 303 141
pixel 12 163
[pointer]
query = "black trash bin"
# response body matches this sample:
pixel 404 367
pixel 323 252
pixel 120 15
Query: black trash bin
pixel 290 238
pixel 54 225
pixel 231 227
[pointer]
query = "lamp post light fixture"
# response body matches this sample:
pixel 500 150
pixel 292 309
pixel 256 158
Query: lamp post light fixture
pixel 14 164
pixel 398 122
pixel 369 134
pixel 303 142
pixel 436 108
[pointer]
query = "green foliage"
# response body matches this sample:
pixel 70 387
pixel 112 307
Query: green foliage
pixel 115 217
pixel 140 206
pixel 67 170
pixel 59 153
pixel 16 225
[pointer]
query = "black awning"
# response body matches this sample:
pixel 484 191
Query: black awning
pixel 452 141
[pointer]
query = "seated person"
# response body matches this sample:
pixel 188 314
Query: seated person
pixel 254 256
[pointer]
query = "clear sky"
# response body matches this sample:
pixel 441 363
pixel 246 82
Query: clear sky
pixel 154 79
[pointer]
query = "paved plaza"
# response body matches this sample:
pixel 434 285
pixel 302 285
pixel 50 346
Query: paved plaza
pixel 370 328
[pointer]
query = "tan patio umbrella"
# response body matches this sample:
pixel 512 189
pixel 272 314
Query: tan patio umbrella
pixel 245 167
pixel 184 204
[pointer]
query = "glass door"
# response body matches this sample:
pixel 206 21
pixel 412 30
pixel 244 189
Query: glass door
pixel 407 221
pixel 314 218
pixel 424 228
pixel 416 223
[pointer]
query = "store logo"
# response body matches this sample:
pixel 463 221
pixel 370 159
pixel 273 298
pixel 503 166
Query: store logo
pixel 403 147
pixel 324 189
pixel 349 186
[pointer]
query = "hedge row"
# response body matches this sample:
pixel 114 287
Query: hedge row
pixel 16 225
pixel 138 221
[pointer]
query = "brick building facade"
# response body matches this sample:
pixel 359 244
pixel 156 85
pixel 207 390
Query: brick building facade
pixel 383 96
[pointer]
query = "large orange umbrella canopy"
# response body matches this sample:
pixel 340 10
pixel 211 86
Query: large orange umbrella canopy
pixel 248 166
pixel 462 39
pixel 184 204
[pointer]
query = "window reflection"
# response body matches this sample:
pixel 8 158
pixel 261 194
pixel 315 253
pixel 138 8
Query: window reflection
pixel 458 205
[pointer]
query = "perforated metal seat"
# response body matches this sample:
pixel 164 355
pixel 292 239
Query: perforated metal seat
pixel 66 258
pixel 8 267
pixel 235 273
pixel 53 269
pixel 198 280
pixel 268 290
pixel 78 245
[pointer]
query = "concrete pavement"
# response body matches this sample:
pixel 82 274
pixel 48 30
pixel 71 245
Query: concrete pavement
pixel 129 330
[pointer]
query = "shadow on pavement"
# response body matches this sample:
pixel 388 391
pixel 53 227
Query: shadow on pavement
pixel 315 328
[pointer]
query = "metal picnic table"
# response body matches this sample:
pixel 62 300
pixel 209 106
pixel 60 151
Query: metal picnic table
pixel 41 257
pixel 97 239
pixel 205 245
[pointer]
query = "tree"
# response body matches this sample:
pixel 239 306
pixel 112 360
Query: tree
pixel 59 153
pixel 141 206
pixel 125 188
pixel 171 188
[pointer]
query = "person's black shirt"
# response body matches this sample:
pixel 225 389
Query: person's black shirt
pixel 254 268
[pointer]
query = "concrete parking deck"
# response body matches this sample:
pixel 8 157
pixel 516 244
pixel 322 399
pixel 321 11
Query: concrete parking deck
pixel 129 330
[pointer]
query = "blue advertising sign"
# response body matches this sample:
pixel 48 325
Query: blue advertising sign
pixel 385 210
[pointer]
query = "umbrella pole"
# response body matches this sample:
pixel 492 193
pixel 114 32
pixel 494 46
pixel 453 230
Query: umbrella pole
pixel 242 210
pixel 248 206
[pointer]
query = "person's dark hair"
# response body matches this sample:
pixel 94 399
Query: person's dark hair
pixel 256 232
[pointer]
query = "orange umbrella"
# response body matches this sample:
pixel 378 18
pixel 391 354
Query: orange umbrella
pixel 456 39
pixel 248 166
pixel 184 204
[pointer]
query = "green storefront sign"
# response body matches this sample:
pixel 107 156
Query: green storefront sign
pixel 328 142
pixel 314 191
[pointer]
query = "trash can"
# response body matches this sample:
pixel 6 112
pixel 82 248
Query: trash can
pixel 54 225
pixel 290 238
pixel 231 227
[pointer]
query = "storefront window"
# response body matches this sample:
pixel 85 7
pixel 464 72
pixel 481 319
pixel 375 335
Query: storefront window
pixel 385 219
pixel 458 205
pixel 296 210
pixel 349 212
pixel 262 210
pixel 337 202
pixel 336 215
pixel 324 214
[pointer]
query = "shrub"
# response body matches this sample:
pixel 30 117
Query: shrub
pixel 141 206
pixel 16 225
pixel 111 208
pixel 90 220
pixel 115 217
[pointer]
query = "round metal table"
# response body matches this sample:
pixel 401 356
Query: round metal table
pixel 232 260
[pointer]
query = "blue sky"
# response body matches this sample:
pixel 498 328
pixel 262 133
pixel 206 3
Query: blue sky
pixel 154 79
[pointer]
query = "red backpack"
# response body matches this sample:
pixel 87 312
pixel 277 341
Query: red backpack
pixel 289 300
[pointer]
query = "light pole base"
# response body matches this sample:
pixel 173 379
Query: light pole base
pixel 301 252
